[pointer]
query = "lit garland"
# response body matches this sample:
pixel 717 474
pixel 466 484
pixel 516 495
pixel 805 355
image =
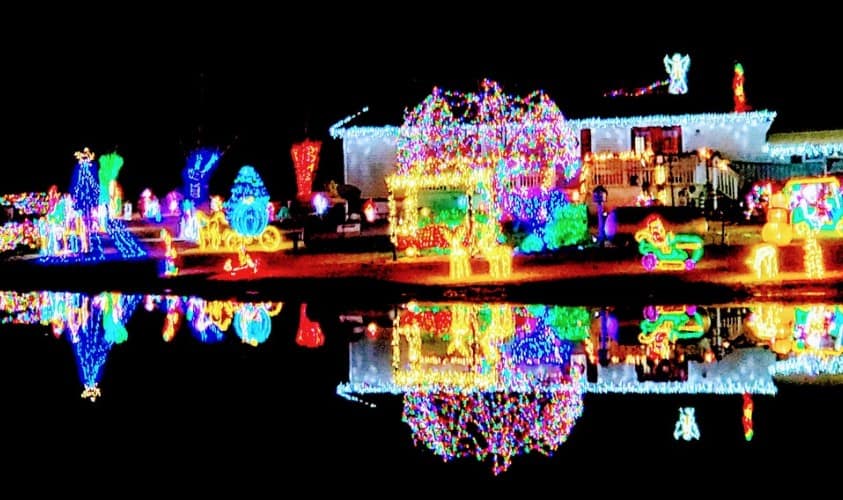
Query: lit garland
pixel 639 91
pixel 197 173
pixel 811 365
pixel 661 249
pixel 305 162
pixel 502 425
pixel 336 130
pixel 741 105
pixel 246 209
pixel 807 150
pixel 700 120
pixel 30 203
pixel 19 234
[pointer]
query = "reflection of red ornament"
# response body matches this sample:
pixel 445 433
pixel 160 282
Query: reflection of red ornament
pixel 310 332
pixel 305 160
pixel 747 416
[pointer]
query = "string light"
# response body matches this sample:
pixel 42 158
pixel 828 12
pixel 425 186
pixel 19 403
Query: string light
pixel 336 130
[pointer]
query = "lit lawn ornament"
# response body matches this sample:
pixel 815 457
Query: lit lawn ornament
pixel 677 69
pixel 149 207
pixel 110 192
pixel 459 260
pixel 197 173
pixel 189 222
pixel 245 262
pixel 246 208
pixel 172 204
pixel 305 156
pixel 661 249
pixel 741 105
pixel 170 267
pixel 686 426
pixel 814 203
pixel 764 262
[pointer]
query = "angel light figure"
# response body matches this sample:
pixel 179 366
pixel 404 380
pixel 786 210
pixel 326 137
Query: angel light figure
pixel 677 68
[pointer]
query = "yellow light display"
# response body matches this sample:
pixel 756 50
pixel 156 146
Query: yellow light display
pixel 764 261
pixel 216 235
pixel 814 268
pixel 459 260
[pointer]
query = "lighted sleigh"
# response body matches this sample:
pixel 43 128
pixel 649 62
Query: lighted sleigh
pixel 661 249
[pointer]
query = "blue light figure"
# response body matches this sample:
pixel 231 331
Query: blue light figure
pixel 197 173
pixel 677 68
pixel 246 209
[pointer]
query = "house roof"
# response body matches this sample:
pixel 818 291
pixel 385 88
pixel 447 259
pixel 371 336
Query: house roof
pixel 808 137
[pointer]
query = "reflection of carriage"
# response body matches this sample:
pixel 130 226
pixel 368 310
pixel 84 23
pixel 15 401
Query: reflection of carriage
pixel 661 249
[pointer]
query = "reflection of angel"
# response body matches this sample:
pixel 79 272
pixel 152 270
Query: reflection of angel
pixel 686 426
pixel 677 68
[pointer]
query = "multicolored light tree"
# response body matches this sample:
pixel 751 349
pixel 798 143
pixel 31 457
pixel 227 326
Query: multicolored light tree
pixel 502 425
pixel 305 162
pixel 505 158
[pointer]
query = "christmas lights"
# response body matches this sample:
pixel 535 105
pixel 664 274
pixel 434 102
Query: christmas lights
pixel 253 323
pixel 662 249
pixel 764 262
pixel 741 105
pixel 309 333
pixel 677 69
pixel 305 162
pixel 246 209
pixel 197 173
pixel 746 416
pixel 686 425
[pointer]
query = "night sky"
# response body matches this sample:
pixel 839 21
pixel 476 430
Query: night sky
pixel 155 90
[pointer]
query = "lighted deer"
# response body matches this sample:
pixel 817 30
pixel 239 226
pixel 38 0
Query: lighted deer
pixel 460 258
pixel 498 255
pixel 765 262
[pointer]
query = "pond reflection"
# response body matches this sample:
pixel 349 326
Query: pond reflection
pixel 491 381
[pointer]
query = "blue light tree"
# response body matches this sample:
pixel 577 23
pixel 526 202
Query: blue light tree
pixel 246 209
pixel 197 173
pixel 84 188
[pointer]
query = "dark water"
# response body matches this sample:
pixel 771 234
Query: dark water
pixel 265 392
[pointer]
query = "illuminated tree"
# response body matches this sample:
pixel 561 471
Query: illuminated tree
pixel 502 425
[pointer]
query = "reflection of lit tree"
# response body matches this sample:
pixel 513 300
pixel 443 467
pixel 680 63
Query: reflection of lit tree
pixel 502 425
